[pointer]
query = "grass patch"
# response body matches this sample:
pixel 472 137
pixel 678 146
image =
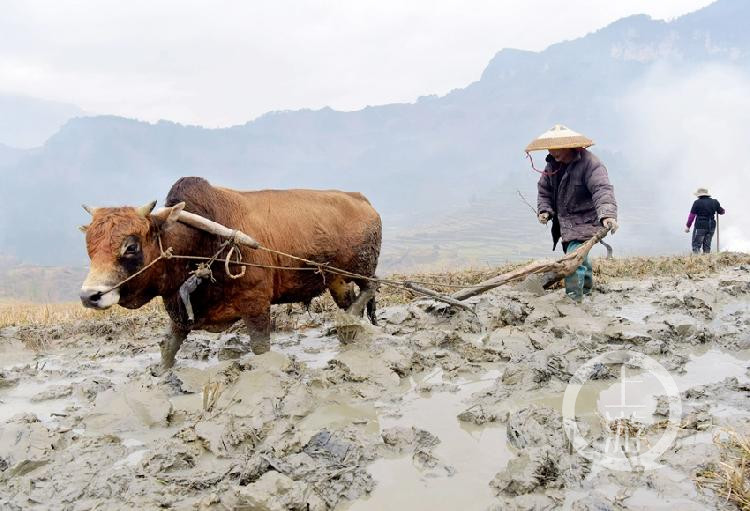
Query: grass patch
pixel 47 314
pixel 731 477
pixel 649 267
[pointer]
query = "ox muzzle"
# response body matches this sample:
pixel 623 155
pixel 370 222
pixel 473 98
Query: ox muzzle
pixel 99 297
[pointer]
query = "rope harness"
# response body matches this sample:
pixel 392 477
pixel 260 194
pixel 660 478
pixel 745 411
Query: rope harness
pixel 203 271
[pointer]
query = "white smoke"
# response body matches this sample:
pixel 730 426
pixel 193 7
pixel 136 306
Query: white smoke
pixel 691 130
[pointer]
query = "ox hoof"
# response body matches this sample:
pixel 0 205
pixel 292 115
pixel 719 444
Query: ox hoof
pixel 260 347
pixel 159 370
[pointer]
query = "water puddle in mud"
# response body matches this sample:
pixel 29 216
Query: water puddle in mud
pixel 726 317
pixel 62 368
pixel 634 394
pixel 636 312
pixel 315 349
pixel 17 399
pixel 14 353
pixel 477 453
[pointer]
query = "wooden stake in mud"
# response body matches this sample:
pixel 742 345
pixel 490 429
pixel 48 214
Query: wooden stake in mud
pixel 559 269
pixel 718 247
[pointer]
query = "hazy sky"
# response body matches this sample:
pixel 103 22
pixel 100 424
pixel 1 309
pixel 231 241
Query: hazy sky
pixel 225 62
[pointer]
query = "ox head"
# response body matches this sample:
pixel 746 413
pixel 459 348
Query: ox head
pixel 120 242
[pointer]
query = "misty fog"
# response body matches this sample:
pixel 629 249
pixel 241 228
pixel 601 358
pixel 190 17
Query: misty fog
pixel 686 131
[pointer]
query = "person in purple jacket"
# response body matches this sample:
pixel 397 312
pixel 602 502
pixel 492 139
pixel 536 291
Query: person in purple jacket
pixel 704 211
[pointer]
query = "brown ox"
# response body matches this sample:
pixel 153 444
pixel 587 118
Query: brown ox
pixel 333 227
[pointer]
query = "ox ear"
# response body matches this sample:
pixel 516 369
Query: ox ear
pixel 168 216
pixel 83 228
pixel 146 210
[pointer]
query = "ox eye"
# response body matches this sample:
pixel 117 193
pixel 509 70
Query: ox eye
pixel 131 249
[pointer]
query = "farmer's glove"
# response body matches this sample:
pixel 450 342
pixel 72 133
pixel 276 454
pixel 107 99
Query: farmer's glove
pixel 543 218
pixel 611 224
pixel 687 229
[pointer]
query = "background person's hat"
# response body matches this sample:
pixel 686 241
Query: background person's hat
pixel 701 191
pixel 559 137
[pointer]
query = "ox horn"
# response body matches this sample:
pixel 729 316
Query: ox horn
pixel 146 210
pixel 88 209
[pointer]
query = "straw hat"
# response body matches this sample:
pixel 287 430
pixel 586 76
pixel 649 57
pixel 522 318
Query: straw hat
pixel 701 191
pixel 559 137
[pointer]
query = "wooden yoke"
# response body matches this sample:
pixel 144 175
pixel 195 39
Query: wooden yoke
pixel 212 227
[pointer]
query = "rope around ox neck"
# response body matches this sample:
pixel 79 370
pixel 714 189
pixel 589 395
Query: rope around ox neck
pixel 165 254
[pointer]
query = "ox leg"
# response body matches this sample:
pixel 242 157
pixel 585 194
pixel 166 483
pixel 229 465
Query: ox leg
pixel 365 301
pixel 346 298
pixel 258 324
pixel 371 311
pixel 370 289
pixel 169 345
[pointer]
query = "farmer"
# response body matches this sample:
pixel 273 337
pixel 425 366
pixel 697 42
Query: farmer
pixel 704 212
pixel 575 192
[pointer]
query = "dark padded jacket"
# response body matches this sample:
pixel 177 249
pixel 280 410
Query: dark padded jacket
pixel 579 194
pixel 704 211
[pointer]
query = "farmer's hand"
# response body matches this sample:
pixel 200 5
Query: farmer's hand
pixel 543 218
pixel 611 224
pixel 687 229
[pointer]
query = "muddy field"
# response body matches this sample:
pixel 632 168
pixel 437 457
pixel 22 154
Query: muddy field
pixel 432 409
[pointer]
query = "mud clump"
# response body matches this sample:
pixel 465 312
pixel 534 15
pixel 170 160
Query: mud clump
pixel 273 492
pixel 546 460
pixel 7 380
pixel 401 439
pixel 478 415
pixel 25 444
pixel 53 392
